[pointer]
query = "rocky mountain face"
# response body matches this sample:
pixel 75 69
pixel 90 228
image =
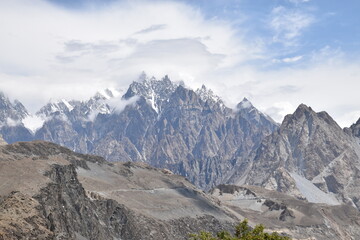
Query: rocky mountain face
pixel 308 156
pixel 11 111
pixel 355 129
pixel 193 133
pixel 11 116
pixel 159 122
pixel 49 192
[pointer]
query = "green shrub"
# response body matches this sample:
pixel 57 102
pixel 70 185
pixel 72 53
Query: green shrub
pixel 242 232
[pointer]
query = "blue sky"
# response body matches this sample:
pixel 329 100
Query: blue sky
pixel 277 53
pixel 334 23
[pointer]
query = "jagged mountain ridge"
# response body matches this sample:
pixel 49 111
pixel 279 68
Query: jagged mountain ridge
pixel 308 156
pixel 355 129
pixel 154 91
pixel 11 116
pixel 10 112
pixel 194 134
pixel 164 124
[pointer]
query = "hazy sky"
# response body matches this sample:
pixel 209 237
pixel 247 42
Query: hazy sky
pixel 277 53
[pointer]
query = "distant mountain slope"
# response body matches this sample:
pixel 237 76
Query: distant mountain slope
pixel 298 218
pixel 308 156
pixel 11 116
pixel 11 112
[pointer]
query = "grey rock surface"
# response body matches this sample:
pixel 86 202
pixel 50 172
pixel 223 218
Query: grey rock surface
pixel 11 116
pixel 355 129
pixel 291 216
pixel 308 156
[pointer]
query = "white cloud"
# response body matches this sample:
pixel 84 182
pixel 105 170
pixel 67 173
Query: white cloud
pixel 348 118
pixel 280 109
pixel 288 59
pixel 299 1
pixel 288 24
pixel 118 104
pixel 292 59
pixel 152 28
pixel 12 123
pixel 65 53
pixel 50 52
pixel 325 86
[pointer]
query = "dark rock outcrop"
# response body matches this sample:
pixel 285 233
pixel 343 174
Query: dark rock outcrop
pixel 355 129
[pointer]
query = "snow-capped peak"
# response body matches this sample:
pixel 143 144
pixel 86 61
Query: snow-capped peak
pixel 67 104
pixel 60 106
pixel 143 77
pixel 108 93
pixel 245 104
pixel 13 110
pixel 208 95
pixel 245 107
pixel 156 92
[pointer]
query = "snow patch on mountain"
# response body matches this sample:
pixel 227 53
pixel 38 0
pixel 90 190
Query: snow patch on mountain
pixel 67 104
pixel 33 122
pixel 311 192
pixel 207 95
pixel 156 92
pixel 109 93
pixel 55 106
pixel 246 107
pixel 245 104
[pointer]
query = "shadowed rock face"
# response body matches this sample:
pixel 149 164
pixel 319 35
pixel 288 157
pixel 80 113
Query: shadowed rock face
pixel 355 128
pixel 49 192
pixel 310 155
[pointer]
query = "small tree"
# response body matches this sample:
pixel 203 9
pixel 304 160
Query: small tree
pixel 242 232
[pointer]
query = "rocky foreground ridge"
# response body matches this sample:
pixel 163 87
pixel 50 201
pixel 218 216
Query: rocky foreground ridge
pixel 50 192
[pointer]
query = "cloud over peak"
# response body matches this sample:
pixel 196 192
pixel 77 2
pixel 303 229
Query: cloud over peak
pixel 73 51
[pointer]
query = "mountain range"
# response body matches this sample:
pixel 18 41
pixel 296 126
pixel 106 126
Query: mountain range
pixel 193 133
pixel 158 122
